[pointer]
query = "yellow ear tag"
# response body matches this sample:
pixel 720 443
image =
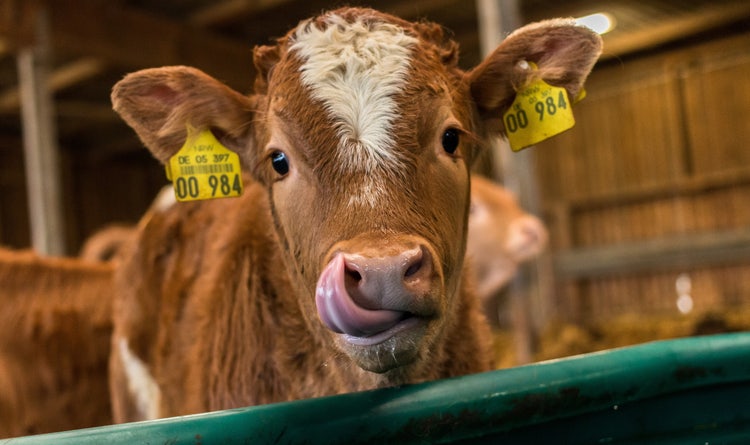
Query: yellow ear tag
pixel 204 169
pixel 580 96
pixel 539 112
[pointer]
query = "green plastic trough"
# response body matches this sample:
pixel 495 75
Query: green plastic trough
pixel 694 390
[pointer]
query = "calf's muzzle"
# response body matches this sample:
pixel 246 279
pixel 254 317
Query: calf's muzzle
pixel 371 293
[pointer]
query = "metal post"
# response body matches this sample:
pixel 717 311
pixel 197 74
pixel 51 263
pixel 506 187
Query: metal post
pixel 40 143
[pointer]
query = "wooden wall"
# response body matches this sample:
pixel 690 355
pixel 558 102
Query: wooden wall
pixel 105 190
pixel 98 189
pixel 653 182
pixel 14 213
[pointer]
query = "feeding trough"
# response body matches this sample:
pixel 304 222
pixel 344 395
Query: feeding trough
pixel 667 392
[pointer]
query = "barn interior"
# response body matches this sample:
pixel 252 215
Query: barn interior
pixel 645 199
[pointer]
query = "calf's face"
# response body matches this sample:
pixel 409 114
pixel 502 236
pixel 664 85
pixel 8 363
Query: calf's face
pixel 369 137
pixel 362 128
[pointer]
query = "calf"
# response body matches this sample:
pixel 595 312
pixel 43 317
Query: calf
pixel 55 334
pixel 104 244
pixel 55 328
pixel 501 236
pixel 341 267
pixel 59 360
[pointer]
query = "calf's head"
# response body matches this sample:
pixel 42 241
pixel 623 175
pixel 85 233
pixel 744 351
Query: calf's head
pixel 363 128
pixel 502 236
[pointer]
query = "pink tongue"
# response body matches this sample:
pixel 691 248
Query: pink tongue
pixel 340 313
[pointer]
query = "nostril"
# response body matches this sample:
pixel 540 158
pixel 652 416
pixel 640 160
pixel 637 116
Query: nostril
pixel 387 281
pixel 533 230
pixel 352 279
pixel 418 265
pixel 353 274
pixel 529 232
pixel 413 269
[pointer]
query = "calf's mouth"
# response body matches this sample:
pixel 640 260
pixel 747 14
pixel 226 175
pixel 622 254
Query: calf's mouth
pixel 381 303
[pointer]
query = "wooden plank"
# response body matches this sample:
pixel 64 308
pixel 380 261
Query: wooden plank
pixel 705 249
pixel 682 187
pixel 607 128
pixel 721 87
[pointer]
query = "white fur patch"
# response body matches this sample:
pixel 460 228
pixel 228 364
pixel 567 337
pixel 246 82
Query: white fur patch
pixel 164 200
pixel 355 70
pixel 141 385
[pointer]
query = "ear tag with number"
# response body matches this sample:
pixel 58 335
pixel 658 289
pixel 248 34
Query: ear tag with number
pixel 204 169
pixel 539 112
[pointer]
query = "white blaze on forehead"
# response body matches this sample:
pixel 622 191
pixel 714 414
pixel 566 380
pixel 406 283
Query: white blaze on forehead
pixel 355 70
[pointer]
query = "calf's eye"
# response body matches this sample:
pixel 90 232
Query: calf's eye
pixel 279 162
pixel 450 140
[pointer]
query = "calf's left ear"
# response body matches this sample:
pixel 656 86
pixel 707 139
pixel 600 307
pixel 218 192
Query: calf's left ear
pixel 562 51
pixel 160 103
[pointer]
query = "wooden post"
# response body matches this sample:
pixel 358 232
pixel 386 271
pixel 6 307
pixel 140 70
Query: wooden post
pixel 497 18
pixel 40 143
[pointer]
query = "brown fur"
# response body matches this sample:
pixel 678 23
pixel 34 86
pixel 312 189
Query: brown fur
pixel 52 334
pixel 104 244
pixel 55 325
pixel 217 297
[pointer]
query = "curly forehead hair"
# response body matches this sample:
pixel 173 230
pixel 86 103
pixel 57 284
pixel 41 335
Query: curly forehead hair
pixel 428 32
pixel 432 35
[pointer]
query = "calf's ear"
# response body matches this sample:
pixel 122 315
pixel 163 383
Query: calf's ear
pixel 160 103
pixel 563 52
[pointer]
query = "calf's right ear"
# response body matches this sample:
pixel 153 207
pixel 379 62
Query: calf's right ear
pixel 160 103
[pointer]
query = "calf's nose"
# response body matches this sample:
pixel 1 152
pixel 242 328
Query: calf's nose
pixel 388 282
pixel 527 237
pixel 362 295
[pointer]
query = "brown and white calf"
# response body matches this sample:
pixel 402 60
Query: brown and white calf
pixel 501 236
pixel 55 328
pixel 341 268
pixel 55 333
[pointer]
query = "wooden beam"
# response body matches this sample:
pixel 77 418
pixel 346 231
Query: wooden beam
pixel 678 252
pixel 497 18
pixel 714 15
pixel 40 145
pixel 63 77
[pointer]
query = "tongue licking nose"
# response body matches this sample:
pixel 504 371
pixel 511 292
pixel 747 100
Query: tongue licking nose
pixel 362 296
